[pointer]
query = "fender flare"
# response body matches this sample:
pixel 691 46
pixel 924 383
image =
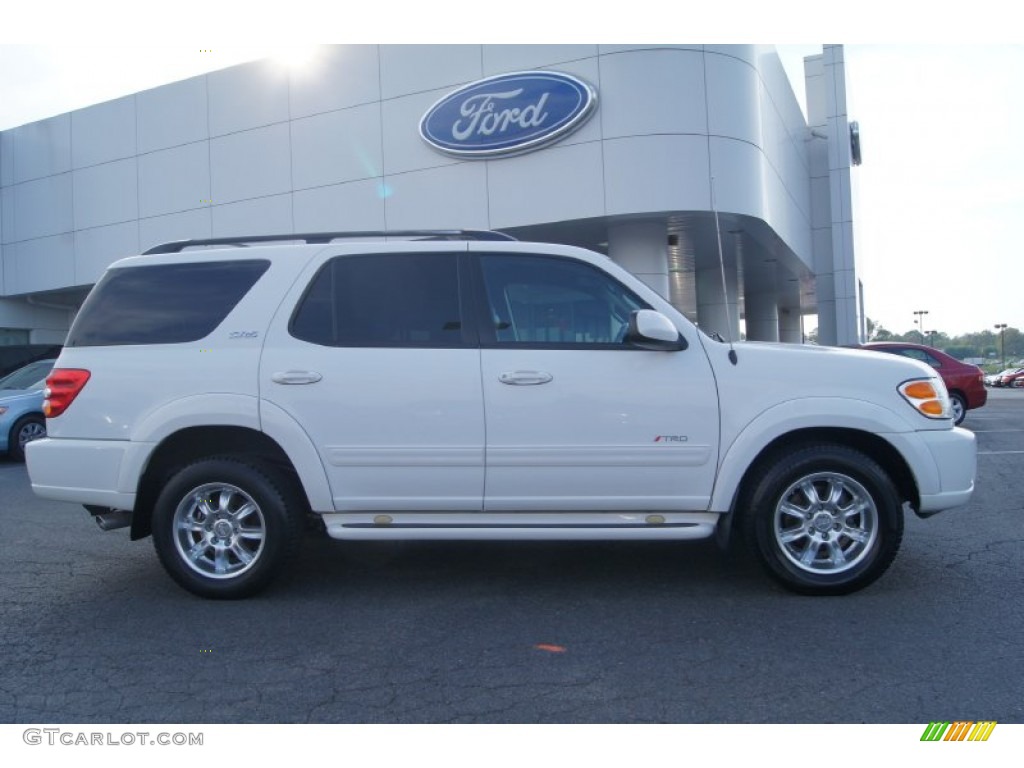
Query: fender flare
pixel 818 413
pixel 283 429
pixel 229 410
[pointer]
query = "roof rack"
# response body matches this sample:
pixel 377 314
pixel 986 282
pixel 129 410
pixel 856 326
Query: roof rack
pixel 177 246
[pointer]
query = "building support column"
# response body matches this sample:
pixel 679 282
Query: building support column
pixel 791 329
pixel 642 248
pixel 761 313
pixel 714 313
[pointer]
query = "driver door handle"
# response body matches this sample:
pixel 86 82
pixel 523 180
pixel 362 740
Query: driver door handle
pixel 525 378
pixel 296 377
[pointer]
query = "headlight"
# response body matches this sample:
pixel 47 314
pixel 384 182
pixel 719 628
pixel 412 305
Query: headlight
pixel 928 397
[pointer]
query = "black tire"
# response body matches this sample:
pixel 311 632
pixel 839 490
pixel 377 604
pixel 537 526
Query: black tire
pixel 959 403
pixel 25 430
pixel 823 519
pixel 235 543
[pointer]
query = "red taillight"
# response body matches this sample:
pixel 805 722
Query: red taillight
pixel 62 387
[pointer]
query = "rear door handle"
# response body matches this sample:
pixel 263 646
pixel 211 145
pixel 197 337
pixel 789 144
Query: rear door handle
pixel 525 378
pixel 296 377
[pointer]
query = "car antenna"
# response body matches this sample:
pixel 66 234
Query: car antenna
pixel 721 266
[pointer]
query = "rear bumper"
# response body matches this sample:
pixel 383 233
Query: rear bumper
pixel 80 471
pixel 977 397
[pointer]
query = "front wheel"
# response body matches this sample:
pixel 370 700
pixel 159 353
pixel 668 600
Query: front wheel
pixel 959 407
pixel 24 431
pixel 223 528
pixel 824 519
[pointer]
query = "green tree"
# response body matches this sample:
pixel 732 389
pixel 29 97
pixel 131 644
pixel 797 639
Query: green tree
pixel 983 343
pixel 1013 339
pixel 877 332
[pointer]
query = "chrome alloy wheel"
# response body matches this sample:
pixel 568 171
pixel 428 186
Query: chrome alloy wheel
pixel 219 530
pixel 825 523
pixel 32 430
pixel 959 409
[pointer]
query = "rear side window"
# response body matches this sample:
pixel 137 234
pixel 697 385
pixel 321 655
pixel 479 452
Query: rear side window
pixel 163 304
pixel 919 354
pixel 383 300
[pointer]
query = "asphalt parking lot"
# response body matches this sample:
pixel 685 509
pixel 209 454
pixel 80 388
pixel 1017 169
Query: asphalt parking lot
pixel 92 631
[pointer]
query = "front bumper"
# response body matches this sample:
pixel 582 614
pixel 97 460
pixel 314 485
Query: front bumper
pixel 955 456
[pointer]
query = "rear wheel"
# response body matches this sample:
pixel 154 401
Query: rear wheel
pixel 223 528
pixel 25 430
pixel 824 520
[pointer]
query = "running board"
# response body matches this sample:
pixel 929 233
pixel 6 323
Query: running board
pixel 429 526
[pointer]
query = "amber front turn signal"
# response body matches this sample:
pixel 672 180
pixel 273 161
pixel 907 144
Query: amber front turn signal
pixel 928 398
pixel 920 390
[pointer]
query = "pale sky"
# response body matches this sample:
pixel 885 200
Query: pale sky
pixel 941 189
pixel 936 201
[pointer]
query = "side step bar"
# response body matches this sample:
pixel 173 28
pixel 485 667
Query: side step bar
pixel 425 526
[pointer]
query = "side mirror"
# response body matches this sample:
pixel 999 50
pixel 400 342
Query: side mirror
pixel 652 330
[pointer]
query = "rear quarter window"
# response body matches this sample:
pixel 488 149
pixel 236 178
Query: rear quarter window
pixel 163 303
pixel 920 354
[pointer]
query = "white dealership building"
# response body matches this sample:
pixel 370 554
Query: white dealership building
pixel 657 139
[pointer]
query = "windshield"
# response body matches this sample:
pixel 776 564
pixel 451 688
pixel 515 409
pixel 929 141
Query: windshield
pixel 32 376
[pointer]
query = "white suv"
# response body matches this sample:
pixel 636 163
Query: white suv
pixel 461 385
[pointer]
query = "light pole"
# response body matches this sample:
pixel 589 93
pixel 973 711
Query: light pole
pixel 1001 327
pixel 920 321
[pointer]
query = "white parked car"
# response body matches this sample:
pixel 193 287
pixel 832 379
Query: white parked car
pixel 466 386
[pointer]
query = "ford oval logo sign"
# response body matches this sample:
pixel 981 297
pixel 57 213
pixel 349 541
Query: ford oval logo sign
pixel 508 114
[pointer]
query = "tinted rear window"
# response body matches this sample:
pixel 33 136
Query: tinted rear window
pixel 383 300
pixel 163 304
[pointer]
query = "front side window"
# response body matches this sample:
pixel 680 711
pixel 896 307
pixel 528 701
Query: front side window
pixel 163 303
pixel 541 301
pixel 383 300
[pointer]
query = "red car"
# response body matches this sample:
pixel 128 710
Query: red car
pixel 1015 379
pixel 1010 378
pixel 966 383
